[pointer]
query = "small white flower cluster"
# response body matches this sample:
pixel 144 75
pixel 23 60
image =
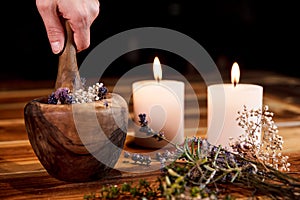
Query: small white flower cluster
pixel 259 124
pixel 89 95
pixel 272 143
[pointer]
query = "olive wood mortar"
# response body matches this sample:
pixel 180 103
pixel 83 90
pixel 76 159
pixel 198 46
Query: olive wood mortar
pixel 76 142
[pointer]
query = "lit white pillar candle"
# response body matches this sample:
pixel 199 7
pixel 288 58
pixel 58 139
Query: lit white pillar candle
pixel 223 103
pixel 163 103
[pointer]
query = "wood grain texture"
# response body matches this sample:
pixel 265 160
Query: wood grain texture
pixel 22 176
pixel 64 137
pixel 70 144
pixel 68 74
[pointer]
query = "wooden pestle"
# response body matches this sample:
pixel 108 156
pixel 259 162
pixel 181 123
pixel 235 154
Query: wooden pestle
pixel 68 74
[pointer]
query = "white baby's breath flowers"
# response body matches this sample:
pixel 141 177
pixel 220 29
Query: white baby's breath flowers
pixel 89 95
pixel 259 124
pixel 85 94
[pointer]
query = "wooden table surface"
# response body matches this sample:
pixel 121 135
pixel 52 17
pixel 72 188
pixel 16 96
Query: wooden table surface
pixel 23 177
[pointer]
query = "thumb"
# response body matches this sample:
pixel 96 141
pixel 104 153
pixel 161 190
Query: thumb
pixel 55 30
pixel 56 35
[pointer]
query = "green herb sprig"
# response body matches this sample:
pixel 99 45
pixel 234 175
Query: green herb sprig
pixel 202 170
pixel 142 190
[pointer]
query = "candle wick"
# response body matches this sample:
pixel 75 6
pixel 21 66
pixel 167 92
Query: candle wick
pixel 234 83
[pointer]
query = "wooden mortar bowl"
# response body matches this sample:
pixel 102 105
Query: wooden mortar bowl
pixel 68 141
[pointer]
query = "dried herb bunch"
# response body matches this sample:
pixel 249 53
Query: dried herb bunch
pixel 201 170
pixel 89 94
pixel 266 150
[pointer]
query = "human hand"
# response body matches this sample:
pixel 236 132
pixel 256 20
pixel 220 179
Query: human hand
pixel 80 15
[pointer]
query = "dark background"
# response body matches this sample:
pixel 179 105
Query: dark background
pixel 257 34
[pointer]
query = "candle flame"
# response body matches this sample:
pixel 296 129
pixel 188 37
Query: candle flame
pixel 235 74
pixel 157 72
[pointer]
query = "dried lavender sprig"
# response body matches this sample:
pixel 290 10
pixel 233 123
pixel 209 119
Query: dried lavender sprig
pixel 159 136
pixel 221 166
pixel 206 165
pixel 209 164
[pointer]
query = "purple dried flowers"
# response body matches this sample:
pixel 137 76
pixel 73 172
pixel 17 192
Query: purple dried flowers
pixel 102 91
pixel 199 164
pixel 143 120
pixel 138 158
pixel 199 170
pixel 144 128
pixel 61 96
pixel 93 93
